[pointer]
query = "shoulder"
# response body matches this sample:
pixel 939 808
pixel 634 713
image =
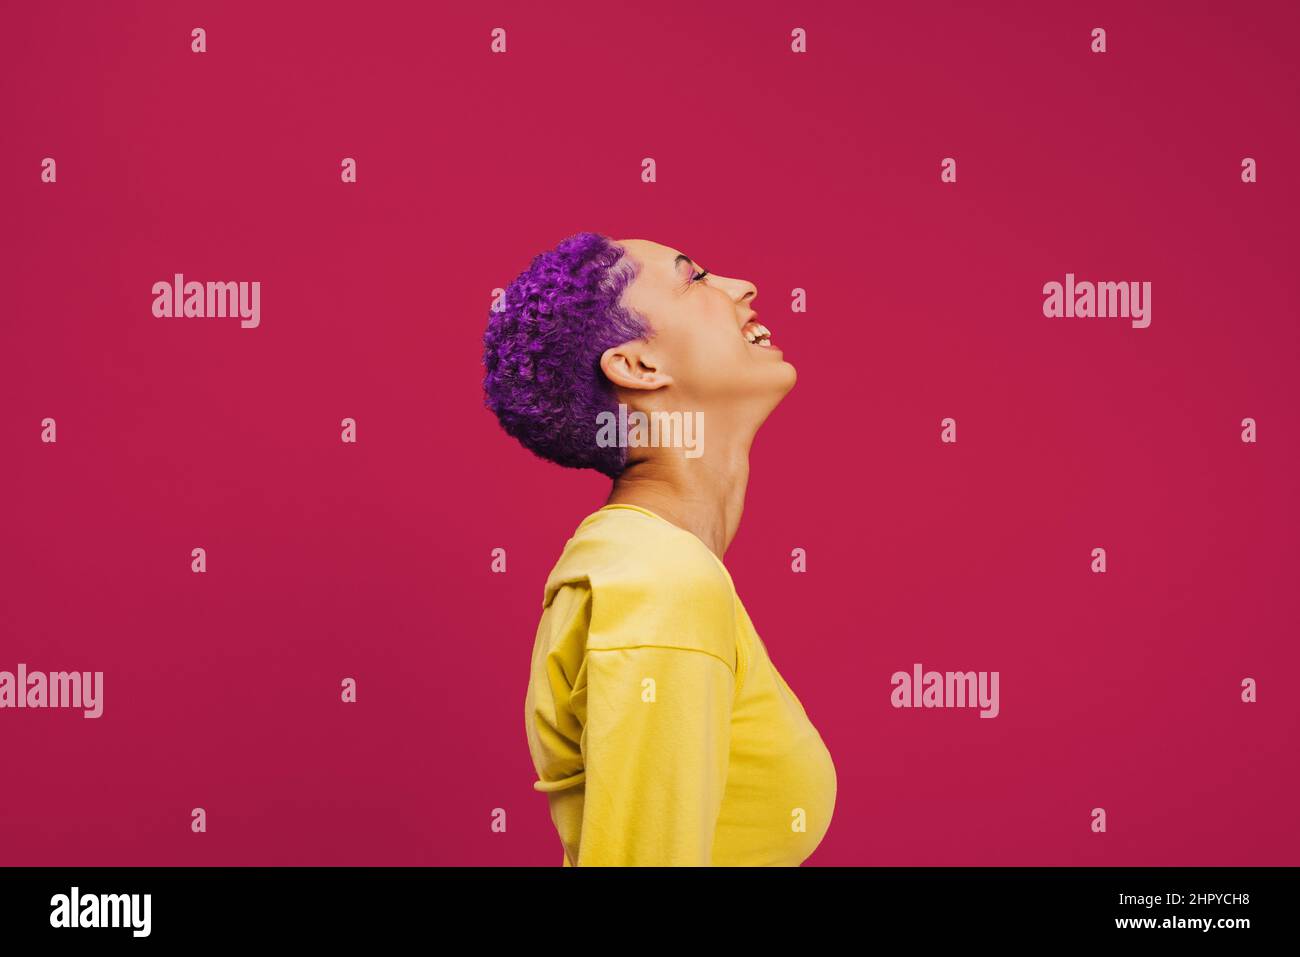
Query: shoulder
pixel 648 583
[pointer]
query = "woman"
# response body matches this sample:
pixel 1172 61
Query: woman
pixel 661 732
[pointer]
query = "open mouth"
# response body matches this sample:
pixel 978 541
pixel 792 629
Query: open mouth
pixel 756 334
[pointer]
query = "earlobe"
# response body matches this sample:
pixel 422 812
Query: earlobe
pixel 628 368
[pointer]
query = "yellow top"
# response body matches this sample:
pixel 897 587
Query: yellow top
pixel 661 732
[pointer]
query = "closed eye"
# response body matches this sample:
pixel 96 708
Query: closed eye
pixel 699 275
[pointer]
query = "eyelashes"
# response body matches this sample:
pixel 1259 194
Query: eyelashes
pixel 699 275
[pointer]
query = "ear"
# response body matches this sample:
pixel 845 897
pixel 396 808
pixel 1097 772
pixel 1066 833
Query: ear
pixel 632 367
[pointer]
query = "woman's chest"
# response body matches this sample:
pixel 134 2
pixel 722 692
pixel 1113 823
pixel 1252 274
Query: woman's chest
pixel 781 781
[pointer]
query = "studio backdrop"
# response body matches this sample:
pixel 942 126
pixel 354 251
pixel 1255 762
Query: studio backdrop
pixel 1034 263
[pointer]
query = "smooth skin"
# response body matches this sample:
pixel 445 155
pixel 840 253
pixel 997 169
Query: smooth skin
pixel 697 360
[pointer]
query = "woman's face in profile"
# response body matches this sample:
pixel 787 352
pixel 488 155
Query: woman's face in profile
pixel 700 329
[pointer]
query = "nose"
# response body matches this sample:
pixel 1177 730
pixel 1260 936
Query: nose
pixel 742 290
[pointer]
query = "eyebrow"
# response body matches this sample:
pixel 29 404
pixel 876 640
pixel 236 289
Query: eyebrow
pixel 682 257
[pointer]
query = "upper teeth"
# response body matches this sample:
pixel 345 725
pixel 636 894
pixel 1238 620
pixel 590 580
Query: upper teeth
pixel 757 331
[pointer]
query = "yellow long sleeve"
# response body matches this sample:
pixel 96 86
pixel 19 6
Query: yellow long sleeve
pixel 655 743
pixel 661 732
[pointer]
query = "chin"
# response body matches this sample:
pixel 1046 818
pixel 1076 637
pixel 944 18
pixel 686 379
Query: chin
pixel 789 376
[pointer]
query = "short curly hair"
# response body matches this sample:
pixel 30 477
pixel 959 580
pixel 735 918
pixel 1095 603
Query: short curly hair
pixel 543 345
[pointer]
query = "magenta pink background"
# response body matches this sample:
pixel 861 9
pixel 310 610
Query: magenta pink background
pixel 820 171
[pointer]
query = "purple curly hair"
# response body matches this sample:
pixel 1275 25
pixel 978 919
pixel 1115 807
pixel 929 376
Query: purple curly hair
pixel 542 350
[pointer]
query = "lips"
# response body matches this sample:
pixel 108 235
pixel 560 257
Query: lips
pixel 756 334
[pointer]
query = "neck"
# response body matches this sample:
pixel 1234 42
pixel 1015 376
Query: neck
pixel 704 496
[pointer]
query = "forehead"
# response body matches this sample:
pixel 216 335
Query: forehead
pixel 654 258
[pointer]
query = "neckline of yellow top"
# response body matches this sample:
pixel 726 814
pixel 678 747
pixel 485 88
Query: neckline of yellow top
pixel 674 525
